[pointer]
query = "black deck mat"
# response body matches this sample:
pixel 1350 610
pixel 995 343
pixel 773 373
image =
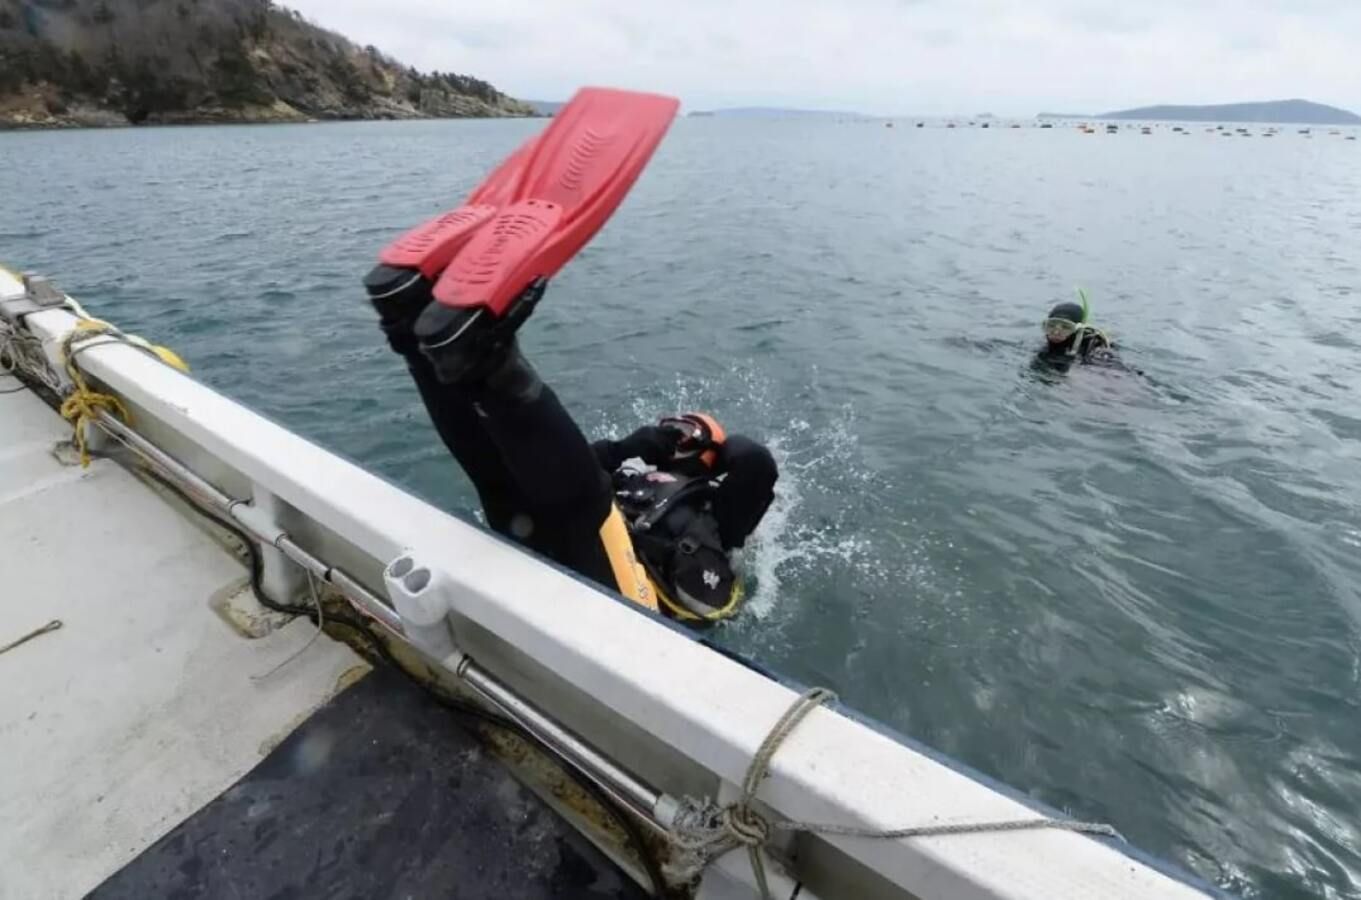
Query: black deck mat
pixel 380 794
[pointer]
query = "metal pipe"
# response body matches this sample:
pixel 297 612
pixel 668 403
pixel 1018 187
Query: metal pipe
pixel 360 597
pixel 641 797
pixel 143 446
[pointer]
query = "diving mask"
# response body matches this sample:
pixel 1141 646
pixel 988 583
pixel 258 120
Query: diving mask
pixel 1058 330
pixel 698 433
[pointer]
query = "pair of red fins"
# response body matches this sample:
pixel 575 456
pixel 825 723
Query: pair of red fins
pixel 541 205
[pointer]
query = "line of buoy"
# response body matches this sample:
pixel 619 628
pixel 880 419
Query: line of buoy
pixel 1144 129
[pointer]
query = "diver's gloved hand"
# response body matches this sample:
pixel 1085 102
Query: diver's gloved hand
pixel 652 444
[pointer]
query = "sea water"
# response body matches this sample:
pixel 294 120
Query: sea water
pixel 1136 597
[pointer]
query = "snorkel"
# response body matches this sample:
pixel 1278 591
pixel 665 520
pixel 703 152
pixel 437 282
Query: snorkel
pixel 1075 343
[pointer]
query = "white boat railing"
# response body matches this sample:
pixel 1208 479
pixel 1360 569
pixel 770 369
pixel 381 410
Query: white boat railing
pixel 686 719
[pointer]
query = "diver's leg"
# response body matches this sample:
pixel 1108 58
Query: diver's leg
pixel 461 428
pixel 451 411
pixel 746 491
pixel 505 426
pixel 552 466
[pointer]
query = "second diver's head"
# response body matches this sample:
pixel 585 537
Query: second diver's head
pixel 1062 325
pixel 699 438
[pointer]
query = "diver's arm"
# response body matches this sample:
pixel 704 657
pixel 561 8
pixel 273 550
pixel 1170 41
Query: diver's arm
pixel 652 444
pixel 606 454
pixel 1107 356
pixel 746 493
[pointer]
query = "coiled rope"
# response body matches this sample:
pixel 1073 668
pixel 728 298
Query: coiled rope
pixel 22 351
pixel 81 406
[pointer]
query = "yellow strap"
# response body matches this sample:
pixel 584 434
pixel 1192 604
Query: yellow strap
pixel 726 611
pixel 629 575
pixel 170 358
pixel 633 581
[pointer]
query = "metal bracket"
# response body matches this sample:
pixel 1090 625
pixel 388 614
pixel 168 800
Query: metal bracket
pixel 39 294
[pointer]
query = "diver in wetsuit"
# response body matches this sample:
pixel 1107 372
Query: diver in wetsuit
pixel 1070 338
pixel 698 495
pixel 660 534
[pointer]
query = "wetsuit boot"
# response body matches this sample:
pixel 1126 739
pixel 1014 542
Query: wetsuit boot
pixel 399 295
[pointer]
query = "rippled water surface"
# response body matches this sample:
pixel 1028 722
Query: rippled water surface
pixel 1136 598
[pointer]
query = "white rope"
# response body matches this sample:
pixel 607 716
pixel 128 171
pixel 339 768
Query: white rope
pixel 21 352
pixel 702 831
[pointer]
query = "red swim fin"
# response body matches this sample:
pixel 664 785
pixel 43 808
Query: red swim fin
pixel 431 245
pixel 575 177
pixel 540 206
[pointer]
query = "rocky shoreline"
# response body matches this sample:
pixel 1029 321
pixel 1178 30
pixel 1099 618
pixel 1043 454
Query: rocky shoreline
pixel 35 112
pixel 115 63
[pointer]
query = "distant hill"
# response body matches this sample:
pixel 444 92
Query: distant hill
pixel 777 112
pixel 1300 112
pixel 545 107
pixel 114 62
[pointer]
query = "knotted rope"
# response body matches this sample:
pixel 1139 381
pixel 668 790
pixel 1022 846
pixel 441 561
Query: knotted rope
pixel 82 405
pixel 702 831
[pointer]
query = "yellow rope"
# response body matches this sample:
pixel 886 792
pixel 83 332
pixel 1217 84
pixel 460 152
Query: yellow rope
pixel 80 410
pixel 82 405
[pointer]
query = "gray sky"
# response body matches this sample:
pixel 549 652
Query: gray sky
pixel 883 56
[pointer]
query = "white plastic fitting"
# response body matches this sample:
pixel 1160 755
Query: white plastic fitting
pixel 421 596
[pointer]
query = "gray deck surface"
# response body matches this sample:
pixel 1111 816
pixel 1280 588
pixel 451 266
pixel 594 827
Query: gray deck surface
pixel 141 707
pixel 380 794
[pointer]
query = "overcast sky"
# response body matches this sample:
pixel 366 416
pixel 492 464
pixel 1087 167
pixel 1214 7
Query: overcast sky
pixel 1010 57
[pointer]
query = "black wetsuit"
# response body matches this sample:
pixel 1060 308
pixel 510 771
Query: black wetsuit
pixel 541 483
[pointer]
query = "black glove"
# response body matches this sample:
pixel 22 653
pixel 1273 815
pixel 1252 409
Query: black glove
pixel 652 444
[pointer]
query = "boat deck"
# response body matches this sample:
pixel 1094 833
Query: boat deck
pixel 379 795
pixel 144 722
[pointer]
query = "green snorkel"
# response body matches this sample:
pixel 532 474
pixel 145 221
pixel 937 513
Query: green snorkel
pixel 1082 326
pixel 1085 326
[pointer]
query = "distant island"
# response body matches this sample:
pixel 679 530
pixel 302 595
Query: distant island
pixel 545 107
pixel 1279 112
pixel 776 112
pixel 73 63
